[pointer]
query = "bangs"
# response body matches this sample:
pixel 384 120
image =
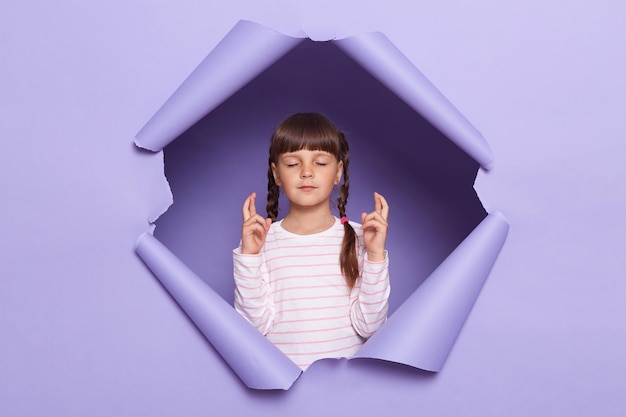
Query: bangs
pixel 308 131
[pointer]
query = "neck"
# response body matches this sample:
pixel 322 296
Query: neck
pixel 308 221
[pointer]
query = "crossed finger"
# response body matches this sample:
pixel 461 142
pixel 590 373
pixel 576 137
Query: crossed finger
pixel 249 207
pixel 379 215
pixel 381 206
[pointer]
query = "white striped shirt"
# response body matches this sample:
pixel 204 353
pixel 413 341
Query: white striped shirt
pixel 293 292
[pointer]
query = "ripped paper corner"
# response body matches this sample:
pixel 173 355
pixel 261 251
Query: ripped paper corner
pixel 423 330
pixel 247 50
pixel 257 362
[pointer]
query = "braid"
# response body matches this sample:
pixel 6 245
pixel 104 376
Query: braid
pixel 273 193
pixel 347 258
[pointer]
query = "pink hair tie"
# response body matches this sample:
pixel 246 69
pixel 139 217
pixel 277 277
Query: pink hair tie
pixel 344 219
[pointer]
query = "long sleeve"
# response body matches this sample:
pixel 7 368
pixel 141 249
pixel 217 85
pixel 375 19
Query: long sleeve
pixel 370 297
pixel 252 293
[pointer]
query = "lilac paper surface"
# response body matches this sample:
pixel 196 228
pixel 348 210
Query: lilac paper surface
pixel 254 359
pixel 87 330
pixel 245 52
pixel 387 63
pixel 422 332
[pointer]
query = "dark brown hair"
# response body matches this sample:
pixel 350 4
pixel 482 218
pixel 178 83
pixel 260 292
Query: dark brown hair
pixel 314 132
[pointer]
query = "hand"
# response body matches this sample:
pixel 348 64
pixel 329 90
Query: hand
pixel 254 229
pixel 375 227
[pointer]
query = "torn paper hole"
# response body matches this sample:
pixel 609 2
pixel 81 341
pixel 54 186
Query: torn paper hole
pixel 407 141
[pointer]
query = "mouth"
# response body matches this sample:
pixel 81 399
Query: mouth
pixel 307 188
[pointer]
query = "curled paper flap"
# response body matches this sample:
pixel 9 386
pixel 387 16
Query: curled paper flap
pixel 423 330
pixel 258 363
pixel 375 53
pixel 247 50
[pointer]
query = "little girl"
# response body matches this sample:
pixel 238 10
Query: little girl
pixel 317 286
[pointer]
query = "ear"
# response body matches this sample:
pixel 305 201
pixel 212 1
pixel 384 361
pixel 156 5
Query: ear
pixel 339 172
pixel 275 174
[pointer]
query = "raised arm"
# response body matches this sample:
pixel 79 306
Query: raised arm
pixel 370 296
pixel 252 294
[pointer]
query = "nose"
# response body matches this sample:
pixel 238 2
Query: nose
pixel 307 171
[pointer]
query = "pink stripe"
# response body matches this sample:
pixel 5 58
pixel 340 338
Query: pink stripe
pixel 374 283
pixel 282 248
pixel 284 300
pixel 312 309
pixel 325 351
pixel 373 303
pixel 326 329
pixel 373 293
pixel 250 288
pixel 374 267
pixel 255 319
pixel 369 324
pixel 327 274
pixel 309 320
pixel 314 265
pixel 248 308
pixel 308 288
pixel 280 236
pixel 371 313
pixel 255 298
pixel 246 277
pixel 305 255
pixel 317 245
pixel 315 341
pixel 244 264
pixel 308 276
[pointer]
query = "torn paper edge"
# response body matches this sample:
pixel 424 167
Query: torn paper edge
pixel 220 75
pixel 160 209
pixel 257 362
pixel 423 330
pixel 381 58
pixel 246 51
pixel 227 68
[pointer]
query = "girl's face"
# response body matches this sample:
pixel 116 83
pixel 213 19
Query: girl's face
pixel 307 177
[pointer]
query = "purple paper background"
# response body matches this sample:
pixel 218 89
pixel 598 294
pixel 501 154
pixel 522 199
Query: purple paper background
pixel 85 329
pixel 213 166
